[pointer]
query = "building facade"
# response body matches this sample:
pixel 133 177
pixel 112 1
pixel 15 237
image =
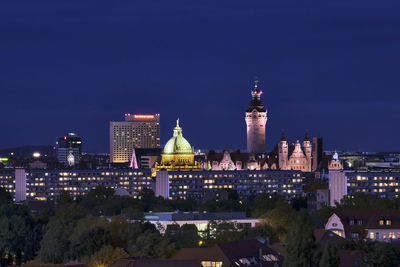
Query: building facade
pixel 238 160
pixel 317 153
pixel 348 183
pixel 256 120
pixel 69 149
pixel 201 220
pixel 378 225
pixel 137 131
pixel 26 184
pixel 182 185
pixel 295 157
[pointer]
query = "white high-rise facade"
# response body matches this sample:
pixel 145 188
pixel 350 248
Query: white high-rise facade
pixel 137 131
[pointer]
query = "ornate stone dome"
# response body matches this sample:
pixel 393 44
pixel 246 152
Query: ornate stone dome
pixel 177 144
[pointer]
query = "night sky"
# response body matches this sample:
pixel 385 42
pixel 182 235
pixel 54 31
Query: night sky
pixel 329 67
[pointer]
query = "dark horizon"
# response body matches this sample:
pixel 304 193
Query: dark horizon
pixel 326 68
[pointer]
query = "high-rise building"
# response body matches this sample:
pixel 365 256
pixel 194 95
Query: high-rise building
pixel 137 131
pixel 317 153
pixel 69 149
pixel 256 119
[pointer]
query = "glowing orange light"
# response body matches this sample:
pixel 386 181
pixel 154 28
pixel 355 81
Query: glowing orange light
pixel 143 116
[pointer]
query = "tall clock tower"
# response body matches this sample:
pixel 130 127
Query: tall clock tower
pixel 256 119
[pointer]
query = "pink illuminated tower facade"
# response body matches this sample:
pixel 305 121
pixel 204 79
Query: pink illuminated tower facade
pixel 256 120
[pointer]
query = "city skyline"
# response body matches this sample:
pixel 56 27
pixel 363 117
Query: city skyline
pixel 332 78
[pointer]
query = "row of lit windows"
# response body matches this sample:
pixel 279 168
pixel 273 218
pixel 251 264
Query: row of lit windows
pixel 363 178
pixel 390 235
pixel 373 184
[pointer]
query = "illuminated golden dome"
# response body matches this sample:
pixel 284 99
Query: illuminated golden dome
pixel 177 144
pixel 177 151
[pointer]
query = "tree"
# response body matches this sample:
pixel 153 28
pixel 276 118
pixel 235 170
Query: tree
pixel 152 245
pixel 381 255
pixel 56 241
pixel 16 227
pixel 106 256
pixel 188 236
pixel 280 219
pixel 5 197
pixel 330 256
pixel 301 249
pixel 64 198
pixel 263 203
pixel 89 242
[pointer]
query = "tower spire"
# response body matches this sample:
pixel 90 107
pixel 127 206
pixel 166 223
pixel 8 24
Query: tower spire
pixel 256 119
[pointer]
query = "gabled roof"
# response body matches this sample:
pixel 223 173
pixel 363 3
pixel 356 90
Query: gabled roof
pixel 231 253
pixel 245 249
pixel 323 236
pixel 370 218
pixel 359 221
pixel 134 262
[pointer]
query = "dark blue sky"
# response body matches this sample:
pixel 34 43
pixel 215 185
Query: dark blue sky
pixel 331 67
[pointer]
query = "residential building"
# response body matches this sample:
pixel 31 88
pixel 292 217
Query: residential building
pixel 195 184
pixel 318 199
pixel 347 183
pixel 145 262
pixel 137 131
pixel 45 184
pixel 34 184
pixel 239 253
pixel 13 180
pixel 378 225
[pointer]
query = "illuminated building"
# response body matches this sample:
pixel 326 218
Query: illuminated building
pixel 69 149
pixel 375 225
pixel 295 157
pixel 178 154
pixel 200 219
pixel 14 182
pixel 237 160
pixel 47 184
pixel 347 183
pixel 256 119
pixel 182 185
pixel 137 131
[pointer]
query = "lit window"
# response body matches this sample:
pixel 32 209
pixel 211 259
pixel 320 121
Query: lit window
pixel 371 235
